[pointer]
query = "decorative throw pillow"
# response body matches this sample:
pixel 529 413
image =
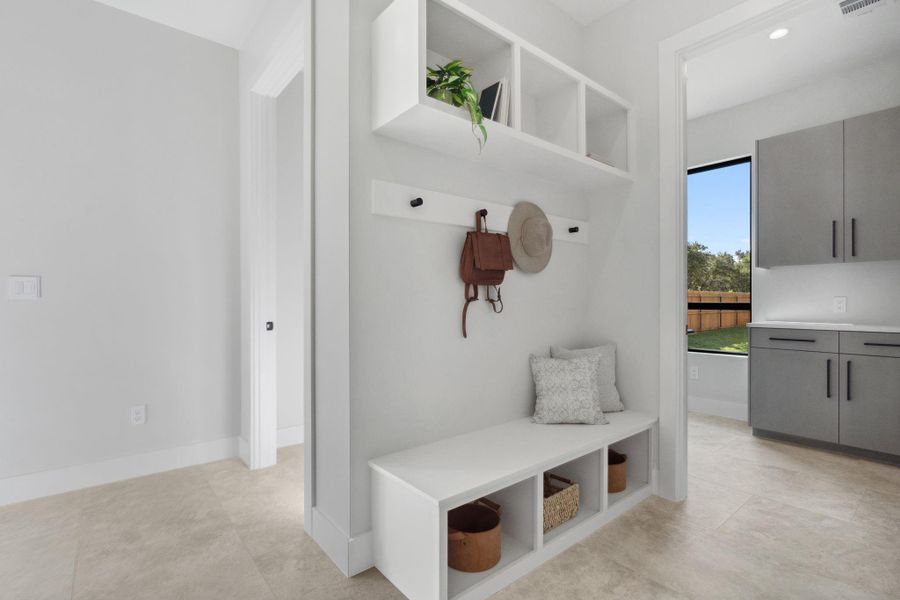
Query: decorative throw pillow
pixel 566 390
pixel 608 395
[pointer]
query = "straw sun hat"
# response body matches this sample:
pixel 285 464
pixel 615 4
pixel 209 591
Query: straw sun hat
pixel 530 237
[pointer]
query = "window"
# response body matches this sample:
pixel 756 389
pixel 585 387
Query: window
pixel 718 256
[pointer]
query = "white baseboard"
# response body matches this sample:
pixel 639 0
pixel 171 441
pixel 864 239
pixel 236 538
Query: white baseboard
pixel 362 555
pixel 718 408
pixel 351 555
pixel 58 481
pixel 290 436
pixel 333 541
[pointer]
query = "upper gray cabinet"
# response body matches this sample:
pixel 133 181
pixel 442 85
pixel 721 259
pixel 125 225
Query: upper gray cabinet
pixel 800 199
pixel 872 186
pixel 830 193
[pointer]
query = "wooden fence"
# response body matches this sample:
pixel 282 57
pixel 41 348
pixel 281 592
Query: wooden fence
pixel 709 320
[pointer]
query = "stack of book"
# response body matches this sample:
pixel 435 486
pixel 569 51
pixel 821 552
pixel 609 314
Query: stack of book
pixel 494 102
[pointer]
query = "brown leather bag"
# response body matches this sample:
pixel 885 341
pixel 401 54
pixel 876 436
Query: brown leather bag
pixel 486 257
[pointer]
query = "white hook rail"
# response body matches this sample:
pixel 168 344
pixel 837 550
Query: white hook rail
pixel 393 200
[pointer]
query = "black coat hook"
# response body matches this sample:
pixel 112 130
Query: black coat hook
pixel 573 230
pixel 416 202
pixel 482 212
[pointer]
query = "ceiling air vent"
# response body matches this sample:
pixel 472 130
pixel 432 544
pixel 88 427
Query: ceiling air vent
pixel 858 7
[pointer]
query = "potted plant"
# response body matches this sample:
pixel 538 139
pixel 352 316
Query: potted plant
pixel 450 83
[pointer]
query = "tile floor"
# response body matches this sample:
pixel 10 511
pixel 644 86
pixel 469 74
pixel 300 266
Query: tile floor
pixel 763 520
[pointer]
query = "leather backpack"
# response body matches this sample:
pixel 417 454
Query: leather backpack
pixel 486 257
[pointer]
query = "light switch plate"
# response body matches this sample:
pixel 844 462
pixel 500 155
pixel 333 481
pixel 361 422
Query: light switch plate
pixel 24 287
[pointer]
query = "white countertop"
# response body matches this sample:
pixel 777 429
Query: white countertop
pixel 825 326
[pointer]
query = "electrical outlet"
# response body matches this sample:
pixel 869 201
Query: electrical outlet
pixel 139 414
pixel 839 304
pixel 694 372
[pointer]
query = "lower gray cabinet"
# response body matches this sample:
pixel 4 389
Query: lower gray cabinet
pixel 795 393
pixel 842 388
pixel 870 403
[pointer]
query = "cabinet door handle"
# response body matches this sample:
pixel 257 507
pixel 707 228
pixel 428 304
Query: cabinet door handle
pixel 881 345
pixel 849 393
pixel 834 239
pixel 853 237
pixel 828 378
pixel 782 339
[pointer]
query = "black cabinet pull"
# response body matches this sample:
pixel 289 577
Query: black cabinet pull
pixel 849 394
pixel 781 339
pixel 882 345
pixel 834 239
pixel 828 378
pixel 853 237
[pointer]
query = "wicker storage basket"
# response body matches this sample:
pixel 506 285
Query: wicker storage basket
pixel 560 501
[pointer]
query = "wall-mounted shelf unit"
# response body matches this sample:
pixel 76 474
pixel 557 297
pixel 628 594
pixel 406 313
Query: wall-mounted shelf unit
pixel 413 490
pixel 562 126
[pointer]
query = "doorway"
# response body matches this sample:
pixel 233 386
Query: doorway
pixel 277 249
pixel 289 280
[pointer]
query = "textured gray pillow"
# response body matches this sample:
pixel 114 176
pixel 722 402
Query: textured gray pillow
pixel 608 396
pixel 566 390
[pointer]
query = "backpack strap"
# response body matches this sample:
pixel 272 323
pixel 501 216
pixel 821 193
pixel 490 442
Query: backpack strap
pixel 470 298
pixel 494 302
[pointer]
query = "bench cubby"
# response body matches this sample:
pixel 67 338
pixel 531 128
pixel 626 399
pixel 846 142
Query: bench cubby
pixel 413 490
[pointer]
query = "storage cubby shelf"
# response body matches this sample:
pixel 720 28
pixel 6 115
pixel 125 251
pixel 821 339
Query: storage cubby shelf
pixel 413 490
pixel 557 116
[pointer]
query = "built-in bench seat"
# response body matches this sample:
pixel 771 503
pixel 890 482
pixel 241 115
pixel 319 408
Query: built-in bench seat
pixel 412 491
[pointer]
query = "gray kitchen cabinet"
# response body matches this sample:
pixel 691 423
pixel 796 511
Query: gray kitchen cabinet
pixel 837 387
pixel 870 391
pixel 800 197
pixel 794 392
pixel 872 186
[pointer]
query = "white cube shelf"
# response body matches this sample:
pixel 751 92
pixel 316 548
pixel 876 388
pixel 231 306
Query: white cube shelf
pixel 413 490
pixel 635 448
pixel 587 471
pixel 562 127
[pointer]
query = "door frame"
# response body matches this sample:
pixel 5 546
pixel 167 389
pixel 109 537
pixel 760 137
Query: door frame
pixel 291 56
pixel 674 52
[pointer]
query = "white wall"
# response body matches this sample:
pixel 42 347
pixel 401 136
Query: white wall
pixel 414 379
pixel 621 52
pixel 721 387
pixel 119 187
pixel 803 292
pixel 289 319
pixel 541 23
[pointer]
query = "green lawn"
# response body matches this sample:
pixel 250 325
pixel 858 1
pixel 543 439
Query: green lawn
pixel 734 339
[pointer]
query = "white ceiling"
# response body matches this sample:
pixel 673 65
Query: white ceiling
pixel 227 22
pixel 588 11
pixel 821 42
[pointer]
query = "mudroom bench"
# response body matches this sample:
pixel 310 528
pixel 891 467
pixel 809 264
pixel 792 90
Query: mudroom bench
pixel 413 490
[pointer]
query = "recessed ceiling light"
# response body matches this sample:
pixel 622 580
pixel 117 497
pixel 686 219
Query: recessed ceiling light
pixel 779 33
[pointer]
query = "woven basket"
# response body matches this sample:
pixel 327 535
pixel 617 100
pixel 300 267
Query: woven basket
pixel 560 502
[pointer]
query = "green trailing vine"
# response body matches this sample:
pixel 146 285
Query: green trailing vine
pixel 450 83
